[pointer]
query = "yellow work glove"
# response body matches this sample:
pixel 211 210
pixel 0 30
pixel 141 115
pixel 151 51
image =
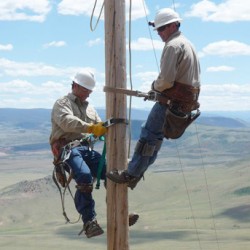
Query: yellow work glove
pixel 97 129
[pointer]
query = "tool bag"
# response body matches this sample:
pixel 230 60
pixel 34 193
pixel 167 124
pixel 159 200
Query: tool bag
pixel 175 125
pixel 179 114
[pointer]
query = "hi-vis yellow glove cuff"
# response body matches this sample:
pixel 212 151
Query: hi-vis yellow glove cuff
pixel 97 129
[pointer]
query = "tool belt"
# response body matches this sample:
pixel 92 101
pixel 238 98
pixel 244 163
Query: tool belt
pixel 60 145
pixel 56 149
pixel 183 96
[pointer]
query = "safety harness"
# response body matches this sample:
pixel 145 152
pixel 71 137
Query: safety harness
pixel 62 172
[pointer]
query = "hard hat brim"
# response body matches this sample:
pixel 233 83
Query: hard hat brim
pixel 168 22
pixel 82 84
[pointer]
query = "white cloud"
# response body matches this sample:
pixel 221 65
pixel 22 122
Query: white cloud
pixel 95 42
pixel 14 69
pixel 24 94
pixel 79 7
pixel 146 44
pixel 33 93
pixel 146 79
pixel 226 48
pixel 145 76
pixel 227 11
pixel 29 10
pixel 139 10
pixel 6 47
pixel 16 86
pixel 55 44
pixel 220 69
pixel 224 97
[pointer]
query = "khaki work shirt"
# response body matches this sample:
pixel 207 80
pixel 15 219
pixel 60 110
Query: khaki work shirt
pixel 70 117
pixel 179 63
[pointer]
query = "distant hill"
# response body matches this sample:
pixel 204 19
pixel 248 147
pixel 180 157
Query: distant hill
pixel 219 121
pixel 28 130
pixel 40 118
pixel 25 118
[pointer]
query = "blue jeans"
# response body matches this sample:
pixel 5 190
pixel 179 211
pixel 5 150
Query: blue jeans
pixel 151 133
pixel 84 165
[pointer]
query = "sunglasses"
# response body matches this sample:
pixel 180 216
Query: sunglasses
pixel 162 28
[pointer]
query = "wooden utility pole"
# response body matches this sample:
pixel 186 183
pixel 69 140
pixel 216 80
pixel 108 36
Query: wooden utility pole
pixel 116 107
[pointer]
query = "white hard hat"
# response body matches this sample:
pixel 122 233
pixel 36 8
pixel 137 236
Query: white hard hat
pixel 166 16
pixel 85 79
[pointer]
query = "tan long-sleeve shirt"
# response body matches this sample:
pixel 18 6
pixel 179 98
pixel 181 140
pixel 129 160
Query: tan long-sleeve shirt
pixel 70 118
pixel 179 63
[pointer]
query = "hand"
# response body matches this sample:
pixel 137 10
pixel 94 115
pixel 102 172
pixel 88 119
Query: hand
pixel 151 96
pixel 151 93
pixel 97 129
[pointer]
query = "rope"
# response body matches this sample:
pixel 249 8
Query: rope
pixel 130 77
pixel 188 195
pixel 92 14
pixel 207 189
pixel 101 163
pixel 174 5
pixel 150 34
pixel 62 196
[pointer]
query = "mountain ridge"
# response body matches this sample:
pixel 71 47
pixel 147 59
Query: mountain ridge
pixel 38 118
pixel 26 132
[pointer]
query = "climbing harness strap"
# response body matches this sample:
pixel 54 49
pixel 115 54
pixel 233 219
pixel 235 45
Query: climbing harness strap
pixel 184 95
pixel 125 91
pixel 62 193
pixel 85 187
pixel 102 161
pixel 62 173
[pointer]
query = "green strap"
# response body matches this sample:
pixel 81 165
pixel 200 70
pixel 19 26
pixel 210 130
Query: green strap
pixel 101 162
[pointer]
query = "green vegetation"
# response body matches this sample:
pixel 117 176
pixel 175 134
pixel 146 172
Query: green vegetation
pixel 242 191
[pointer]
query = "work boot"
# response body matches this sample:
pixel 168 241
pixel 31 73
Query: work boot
pixel 123 177
pixel 92 228
pixel 132 219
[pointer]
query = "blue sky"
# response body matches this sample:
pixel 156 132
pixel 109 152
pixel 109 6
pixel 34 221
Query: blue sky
pixel 43 43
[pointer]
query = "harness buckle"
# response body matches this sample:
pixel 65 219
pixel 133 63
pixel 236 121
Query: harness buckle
pixel 152 96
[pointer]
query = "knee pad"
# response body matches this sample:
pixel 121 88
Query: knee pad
pixel 85 187
pixel 158 145
pixel 145 149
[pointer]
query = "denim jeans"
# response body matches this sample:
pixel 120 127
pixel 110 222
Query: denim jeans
pixel 151 133
pixel 84 165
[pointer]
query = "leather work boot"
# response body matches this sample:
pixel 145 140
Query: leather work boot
pixel 92 228
pixel 132 219
pixel 123 176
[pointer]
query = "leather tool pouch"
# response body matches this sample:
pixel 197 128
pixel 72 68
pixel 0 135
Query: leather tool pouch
pixel 175 125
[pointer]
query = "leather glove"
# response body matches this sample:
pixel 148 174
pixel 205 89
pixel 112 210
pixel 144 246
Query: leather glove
pixel 97 129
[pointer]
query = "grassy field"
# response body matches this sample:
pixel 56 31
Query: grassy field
pixel 180 208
